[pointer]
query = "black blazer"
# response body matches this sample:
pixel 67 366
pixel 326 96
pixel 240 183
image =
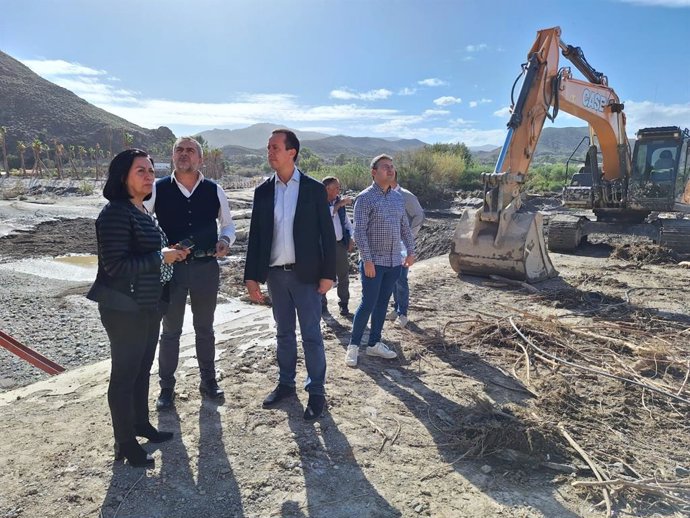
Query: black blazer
pixel 312 232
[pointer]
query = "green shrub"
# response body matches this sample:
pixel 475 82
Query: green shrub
pixel 546 177
pixel 86 188
pixel 353 176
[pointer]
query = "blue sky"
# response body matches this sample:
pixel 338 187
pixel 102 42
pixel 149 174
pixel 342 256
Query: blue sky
pixel 437 70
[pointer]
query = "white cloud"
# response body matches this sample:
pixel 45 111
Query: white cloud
pixel 59 67
pixel 447 100
pixel 455 123
pixel 407 91
pixel 432 81
pixel 659 3
pixel 476 48
pixel 503 112
pixel 474 104
pixel 435 113
pixel 345 94
pixel 644 114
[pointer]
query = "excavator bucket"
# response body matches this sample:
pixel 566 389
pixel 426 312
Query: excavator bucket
pixel 516 251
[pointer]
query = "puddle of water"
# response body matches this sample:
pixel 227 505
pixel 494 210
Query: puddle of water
pixel 79 260
pixel 67 268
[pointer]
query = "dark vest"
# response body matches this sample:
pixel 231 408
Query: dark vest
pixel 343 215
pixel 188 218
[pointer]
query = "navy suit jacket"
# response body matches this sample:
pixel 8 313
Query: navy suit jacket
pixel 313 233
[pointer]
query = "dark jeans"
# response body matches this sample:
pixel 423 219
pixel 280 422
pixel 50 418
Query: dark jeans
pixel 376 292
pixel 401 293
pixel 291 297
pixel 342 272
pixel 133 337
pixel 199 279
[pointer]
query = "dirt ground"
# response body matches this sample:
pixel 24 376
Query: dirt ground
pixel 504 401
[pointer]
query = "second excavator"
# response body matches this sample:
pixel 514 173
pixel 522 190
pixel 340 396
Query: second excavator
pixel 625 191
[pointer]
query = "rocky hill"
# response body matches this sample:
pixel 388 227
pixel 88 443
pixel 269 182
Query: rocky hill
pixel 330 147
pixel 555 145
pixel 33 107
pixel 253 137
pixel 245 144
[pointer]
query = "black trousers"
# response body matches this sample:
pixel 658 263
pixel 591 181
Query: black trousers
pixel 133 337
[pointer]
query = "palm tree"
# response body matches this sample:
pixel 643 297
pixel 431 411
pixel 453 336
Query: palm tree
pixel 59 152
pixel 46 149
pixel 72 156
pixel 110 143
pixel 82 153
pixel 100 155
pixel 36 147
pixel 3 143
pixel 127 140
pixel 21 149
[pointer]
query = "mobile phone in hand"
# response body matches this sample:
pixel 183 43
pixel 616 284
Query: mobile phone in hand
pixel 185 244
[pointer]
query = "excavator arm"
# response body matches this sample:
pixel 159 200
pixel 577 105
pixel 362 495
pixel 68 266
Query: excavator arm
pixel 500 238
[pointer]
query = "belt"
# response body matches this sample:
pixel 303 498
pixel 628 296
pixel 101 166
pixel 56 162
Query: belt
pixel 285 267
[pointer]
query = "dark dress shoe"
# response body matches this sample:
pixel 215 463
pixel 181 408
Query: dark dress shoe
pixel 344 311
pixel 136 455
pixel 315 407
pixel 165 400
pixel 210 389
pixel 149 432
pixel 279 393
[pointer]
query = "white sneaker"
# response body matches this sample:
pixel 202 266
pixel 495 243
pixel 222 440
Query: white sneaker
pixel 392 315
pixel 402 320
pixel 351 355
pixel 382 350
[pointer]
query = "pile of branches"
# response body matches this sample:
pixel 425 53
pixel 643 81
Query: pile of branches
pixel 616 393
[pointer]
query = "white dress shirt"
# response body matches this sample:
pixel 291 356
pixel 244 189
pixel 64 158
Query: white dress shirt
pixel 284 206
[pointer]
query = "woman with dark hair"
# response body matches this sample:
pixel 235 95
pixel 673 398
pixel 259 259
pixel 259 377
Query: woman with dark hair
pixel 134 265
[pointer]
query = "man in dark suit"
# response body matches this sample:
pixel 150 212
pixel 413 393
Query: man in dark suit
pixel 292 248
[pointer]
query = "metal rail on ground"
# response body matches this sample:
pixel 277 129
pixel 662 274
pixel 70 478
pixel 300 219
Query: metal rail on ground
pixel 29 355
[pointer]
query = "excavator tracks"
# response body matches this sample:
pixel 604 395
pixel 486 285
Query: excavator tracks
pixel 565 233
pixel 675 234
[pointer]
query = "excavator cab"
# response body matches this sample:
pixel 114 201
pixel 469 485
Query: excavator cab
pixel 659 175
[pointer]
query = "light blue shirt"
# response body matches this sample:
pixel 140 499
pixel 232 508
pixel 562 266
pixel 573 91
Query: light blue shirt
pixel 284 206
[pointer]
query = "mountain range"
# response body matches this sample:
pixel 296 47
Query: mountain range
pixel 253 141
pixel 32 107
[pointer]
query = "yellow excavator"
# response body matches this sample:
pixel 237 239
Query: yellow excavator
pixel 625 192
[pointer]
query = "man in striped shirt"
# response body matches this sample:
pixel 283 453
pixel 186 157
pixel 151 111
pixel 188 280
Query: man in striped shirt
pixel 380 225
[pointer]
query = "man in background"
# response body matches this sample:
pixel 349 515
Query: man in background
pixel 380 226
pixel 343 241
pixel 401 290
pixel 189 206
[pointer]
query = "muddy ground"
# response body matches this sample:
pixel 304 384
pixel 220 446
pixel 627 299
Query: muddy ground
pixel 505 400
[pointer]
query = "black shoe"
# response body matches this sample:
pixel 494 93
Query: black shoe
pixel 210 389
pixel 134 453
pixel 149 432
pixel 315 407
pixel 279 393
pixel 344 311
pixel 166 398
